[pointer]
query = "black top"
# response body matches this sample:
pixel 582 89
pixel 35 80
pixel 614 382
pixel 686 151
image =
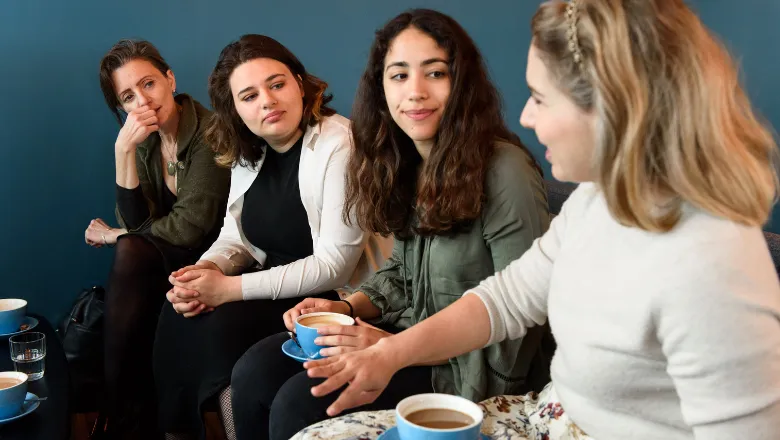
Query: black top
pixel 273 217
pixel 132 204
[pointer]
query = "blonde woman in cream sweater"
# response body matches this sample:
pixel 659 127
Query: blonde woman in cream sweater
pixel 655 278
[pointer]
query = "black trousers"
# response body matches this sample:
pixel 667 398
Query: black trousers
pixel 271 395
pixel 194 357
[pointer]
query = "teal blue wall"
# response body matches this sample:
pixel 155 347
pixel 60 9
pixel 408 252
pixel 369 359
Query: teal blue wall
pixel 56 136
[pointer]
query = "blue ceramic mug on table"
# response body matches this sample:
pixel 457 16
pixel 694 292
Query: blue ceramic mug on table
pixel 13 390
pixel 438 417
pixel 12 314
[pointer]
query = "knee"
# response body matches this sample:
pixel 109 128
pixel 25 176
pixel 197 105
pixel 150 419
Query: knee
pixel 294 408
pixel 132 246
pixel 133 253
pixel 255 375
pixel 244 375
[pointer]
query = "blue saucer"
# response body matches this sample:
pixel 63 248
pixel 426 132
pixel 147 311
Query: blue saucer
pixel 28 406
pixel 290 348
pixel 31 323
pixel 392 434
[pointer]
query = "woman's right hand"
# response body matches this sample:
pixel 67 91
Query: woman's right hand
pixel 312 305
pixel 140 123
pixel 202 264
pixel 363 374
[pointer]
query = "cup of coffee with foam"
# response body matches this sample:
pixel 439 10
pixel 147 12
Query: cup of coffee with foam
pixel 12 314
pixel 306 330
pixel 13 390
pixel 438 417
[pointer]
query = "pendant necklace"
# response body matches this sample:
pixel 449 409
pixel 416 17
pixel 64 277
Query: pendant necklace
pixel 173 166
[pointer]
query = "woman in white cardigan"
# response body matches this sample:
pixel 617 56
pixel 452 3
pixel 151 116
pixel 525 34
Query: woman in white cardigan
pixel 283 236
pixel 656 279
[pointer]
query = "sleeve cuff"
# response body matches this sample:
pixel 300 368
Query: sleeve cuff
pixel 255 285
pixel 132 207
pixel 493 314
pixel 225 264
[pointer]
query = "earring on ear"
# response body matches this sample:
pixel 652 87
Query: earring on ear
pixel 300 83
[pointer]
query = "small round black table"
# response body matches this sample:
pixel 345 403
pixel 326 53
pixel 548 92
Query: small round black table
pixel 51 420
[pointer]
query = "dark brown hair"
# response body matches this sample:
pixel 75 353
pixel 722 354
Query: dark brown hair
pixel 383 188
pixel 231 139
pixel 120 54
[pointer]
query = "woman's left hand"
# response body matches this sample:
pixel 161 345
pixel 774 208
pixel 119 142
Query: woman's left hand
pixel 98 233
pixel 211 287
pixel 346 338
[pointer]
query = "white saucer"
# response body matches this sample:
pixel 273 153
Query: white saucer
pixel 31 323
pixel 31 403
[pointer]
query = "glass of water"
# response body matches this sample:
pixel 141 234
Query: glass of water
pixel 28 351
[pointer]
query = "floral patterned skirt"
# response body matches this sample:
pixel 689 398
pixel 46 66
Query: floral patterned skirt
pixel 529 417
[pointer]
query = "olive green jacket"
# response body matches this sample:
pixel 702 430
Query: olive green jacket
pixel 201 185
pixel 426 274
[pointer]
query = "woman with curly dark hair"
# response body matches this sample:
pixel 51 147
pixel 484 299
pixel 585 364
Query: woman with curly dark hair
pixel 283 236
pixel 434 166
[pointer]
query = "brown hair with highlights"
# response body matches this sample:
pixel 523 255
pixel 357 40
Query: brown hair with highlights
pixel 230 138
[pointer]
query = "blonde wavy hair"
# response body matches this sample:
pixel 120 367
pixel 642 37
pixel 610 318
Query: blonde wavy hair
pixel 675 125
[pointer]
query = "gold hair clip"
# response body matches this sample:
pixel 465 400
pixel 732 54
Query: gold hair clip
pixel 574 42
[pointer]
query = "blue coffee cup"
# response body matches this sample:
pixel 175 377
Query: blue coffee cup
pixel 411 431
pixel 12 314
pixel 306 330
pixel 13 390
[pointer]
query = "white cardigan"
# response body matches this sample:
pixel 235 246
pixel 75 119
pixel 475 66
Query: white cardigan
pixel 344 256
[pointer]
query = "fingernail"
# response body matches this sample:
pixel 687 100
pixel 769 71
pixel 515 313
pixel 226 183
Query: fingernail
pixel 317 341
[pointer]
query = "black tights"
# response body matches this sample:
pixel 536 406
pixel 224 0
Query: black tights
pixel 136 291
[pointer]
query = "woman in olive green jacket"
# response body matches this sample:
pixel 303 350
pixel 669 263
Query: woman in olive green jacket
pixel 171 198
pixel 435 166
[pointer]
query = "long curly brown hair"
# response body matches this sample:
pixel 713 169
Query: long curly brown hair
pixel 230 138
pixel 383 189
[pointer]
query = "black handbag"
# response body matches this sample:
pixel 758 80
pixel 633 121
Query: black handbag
pixel 81 333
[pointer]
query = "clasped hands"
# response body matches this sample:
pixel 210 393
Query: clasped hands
pixel 200 288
